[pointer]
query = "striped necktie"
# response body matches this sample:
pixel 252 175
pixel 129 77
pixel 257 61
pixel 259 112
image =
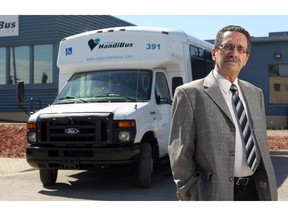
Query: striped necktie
pixel 245 128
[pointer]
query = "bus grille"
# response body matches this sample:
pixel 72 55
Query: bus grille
pixel 75 130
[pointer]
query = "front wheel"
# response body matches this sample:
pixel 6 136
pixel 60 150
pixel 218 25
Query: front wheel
pixel 48 176
pixel 145 166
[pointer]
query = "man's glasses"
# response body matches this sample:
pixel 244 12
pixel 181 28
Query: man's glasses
pixel 230 47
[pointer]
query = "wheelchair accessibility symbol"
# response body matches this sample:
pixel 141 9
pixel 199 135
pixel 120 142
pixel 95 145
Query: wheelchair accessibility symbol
pixel 68 51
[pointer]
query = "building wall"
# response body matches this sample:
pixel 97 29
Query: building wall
pixel 41 30
pixel 274 87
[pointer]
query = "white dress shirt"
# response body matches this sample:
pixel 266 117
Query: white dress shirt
pixel 241 168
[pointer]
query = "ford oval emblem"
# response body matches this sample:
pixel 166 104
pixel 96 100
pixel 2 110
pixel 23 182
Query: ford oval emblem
pixel 71 131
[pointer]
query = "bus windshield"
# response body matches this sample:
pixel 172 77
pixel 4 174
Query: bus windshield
pixel 107 86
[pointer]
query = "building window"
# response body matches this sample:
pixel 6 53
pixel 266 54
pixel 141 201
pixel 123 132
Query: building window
pixel 19 64
pixel 43 64
pixel 2 65
pixel 31 64
pixel 278 79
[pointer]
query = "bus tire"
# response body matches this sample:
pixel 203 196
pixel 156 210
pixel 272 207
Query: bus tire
pixel 145 166
pixel 48 176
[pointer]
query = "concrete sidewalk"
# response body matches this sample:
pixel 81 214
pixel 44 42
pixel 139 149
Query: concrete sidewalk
pixel 10 166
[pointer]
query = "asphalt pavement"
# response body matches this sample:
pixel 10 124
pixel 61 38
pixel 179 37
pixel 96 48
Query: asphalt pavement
pixel 10 166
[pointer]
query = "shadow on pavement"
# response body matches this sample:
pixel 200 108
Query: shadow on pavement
pixel 113 186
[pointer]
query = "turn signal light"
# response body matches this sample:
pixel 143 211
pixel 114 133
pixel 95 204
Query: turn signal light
pixel 31 125
pixel 126 123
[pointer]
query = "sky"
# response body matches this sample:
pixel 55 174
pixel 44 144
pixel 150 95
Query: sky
pixel 199 18
pixel 206 26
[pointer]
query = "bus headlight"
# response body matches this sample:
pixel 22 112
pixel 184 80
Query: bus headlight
pixel 125 130
pixel 31 132
pixel 124 136
pixel 31 136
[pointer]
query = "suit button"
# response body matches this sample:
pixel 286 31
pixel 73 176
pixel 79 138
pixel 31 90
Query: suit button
pixel 231 179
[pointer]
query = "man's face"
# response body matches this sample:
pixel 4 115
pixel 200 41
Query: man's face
pixel 231 56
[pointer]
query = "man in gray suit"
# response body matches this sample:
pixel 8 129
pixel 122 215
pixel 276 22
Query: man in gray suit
pixel 207 146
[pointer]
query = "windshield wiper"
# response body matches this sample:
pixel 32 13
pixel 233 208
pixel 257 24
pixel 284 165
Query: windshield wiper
pixel 122 96
pixel 73 97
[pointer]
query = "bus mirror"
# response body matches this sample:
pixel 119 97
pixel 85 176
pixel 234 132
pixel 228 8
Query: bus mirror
pixel 20 92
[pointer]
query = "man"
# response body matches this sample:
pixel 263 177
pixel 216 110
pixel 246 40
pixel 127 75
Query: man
pixel 208 141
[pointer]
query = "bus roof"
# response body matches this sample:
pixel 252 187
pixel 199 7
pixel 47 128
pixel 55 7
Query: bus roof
pixel 152 29
pixel 128 46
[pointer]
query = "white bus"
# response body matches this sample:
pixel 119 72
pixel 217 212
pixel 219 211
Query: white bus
pixel 116 88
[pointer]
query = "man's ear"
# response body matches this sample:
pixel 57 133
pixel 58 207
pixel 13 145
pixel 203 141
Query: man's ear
pixel 213 54
pixel 247 57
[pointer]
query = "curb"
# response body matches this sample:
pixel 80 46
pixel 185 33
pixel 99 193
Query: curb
pixel 10 166
pixel 278 152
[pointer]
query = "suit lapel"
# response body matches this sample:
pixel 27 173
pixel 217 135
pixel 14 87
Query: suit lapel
pixel 214 92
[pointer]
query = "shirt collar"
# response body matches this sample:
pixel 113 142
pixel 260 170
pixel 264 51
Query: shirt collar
pixel 224 83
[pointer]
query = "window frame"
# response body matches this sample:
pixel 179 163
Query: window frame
pixel 277 85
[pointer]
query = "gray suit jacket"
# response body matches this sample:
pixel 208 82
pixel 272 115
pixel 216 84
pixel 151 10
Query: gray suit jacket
pixel 202 142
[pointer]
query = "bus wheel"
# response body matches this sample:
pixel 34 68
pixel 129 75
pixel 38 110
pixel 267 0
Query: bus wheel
pixel 48 176
pixel 145 166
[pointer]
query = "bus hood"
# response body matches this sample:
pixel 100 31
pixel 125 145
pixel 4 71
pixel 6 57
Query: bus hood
pixel 120 110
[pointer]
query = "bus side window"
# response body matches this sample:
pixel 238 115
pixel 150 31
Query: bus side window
pixel 162 93
pixel 201 62
pixel 209 61
pixel 176 81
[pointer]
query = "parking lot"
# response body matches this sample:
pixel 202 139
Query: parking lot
pixel 23 184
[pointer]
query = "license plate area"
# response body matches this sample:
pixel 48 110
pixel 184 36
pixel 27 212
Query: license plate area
pixel 70 163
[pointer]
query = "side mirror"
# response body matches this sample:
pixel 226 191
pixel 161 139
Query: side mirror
pixel 20 92
pixel 20 96
pixel 157 98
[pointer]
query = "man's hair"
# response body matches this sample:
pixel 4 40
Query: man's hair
pixel 219 36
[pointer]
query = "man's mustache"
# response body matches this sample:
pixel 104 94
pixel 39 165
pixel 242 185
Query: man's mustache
pixel 232 59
